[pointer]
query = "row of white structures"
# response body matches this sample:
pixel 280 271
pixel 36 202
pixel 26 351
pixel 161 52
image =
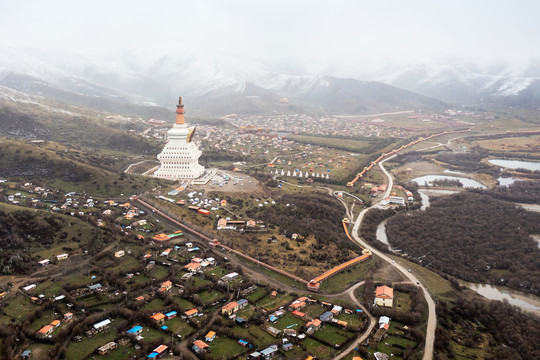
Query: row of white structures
pixel 300 174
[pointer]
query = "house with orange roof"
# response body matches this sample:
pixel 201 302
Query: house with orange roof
pixel 384 296
pixel 55 323
pixel 193 267
pixel 210 336
pixel 46 330
pixel 230 308
pixel 191 313
pixel 159 317
pixel 298 314
pixel 200 346
pixel 297 305
pixel 166 286
pixel 161 237
pixel 314 324
pixel 68 316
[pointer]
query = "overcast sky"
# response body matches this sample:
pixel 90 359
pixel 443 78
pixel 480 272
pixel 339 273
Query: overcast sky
pixel 301 30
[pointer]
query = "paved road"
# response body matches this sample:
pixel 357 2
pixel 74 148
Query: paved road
pixel 372 323
pixel 432 317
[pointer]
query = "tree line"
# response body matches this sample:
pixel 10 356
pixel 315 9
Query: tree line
pixel 473 237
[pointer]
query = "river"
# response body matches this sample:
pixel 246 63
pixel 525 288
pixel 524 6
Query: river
pixel 381 234
pixel 521 299
pixel 424 195
pixel 428 179
pixel 516 164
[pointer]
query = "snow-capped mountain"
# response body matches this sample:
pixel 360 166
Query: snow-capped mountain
pixel 216 83
pixel 457 81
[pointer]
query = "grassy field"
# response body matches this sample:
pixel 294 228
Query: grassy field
pixel 355 145
pixel 353 320
pixel 183 303
pixel 402 301
pixel 317 348
pixel 434 283
pixel 333 334
pixel 16 310
pixel 125 263
pixel 289 322
pixel 209 297
pixel 261 337
pixel 154 305
pixel 271 304
pixel 344 279
pixel 275 275
pixel 121 353
pixel 258 294
pixel 80 350
pixel 179 326
pixel 158 273
pixel 225 348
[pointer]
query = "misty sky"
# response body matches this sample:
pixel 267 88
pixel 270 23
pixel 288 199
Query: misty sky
pixel 301 30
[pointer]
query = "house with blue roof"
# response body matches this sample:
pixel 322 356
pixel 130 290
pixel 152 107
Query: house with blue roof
pixel 327 316
pixel 171 314
pixel 135 330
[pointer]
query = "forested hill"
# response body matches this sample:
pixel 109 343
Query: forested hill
pixel 473 237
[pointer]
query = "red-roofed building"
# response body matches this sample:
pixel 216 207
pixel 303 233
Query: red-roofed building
pixel 384 296
pixel 230 308
pixel 298 314
pixel 165 286
pixel 159 317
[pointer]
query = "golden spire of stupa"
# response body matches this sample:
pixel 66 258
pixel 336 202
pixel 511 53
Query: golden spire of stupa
pixel 180 112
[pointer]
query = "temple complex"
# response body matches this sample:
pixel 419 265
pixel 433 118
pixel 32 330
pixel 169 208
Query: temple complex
pixel 180 156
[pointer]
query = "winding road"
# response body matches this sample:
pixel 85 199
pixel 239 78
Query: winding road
pixel 432 317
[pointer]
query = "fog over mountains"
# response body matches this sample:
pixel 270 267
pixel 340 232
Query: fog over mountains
pixel 219 84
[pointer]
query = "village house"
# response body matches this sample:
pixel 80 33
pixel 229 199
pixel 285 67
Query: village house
pixel 46 330
pixel 158 352
pixel 159 317
pixel 384 296
pixel 171 314
pixel 230 308
pixel 269 352
pixel 68 316
pixel 107 347
pixel 165 286
pixel 327 316
pixel 242 303
pixel 298 314
pixel 119 253
pixel 193 267
pixel 210 336
pixel 136 330
pixel 191 313
pixel 273 331
pixel 314 324
pixel 200 346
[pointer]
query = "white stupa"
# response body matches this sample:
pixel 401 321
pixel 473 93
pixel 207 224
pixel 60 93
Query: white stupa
pixel 180 156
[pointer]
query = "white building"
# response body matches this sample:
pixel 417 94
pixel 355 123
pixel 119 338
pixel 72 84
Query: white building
pixel 180 156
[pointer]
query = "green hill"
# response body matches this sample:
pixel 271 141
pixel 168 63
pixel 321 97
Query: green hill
pixel 68 169
pixel 27 236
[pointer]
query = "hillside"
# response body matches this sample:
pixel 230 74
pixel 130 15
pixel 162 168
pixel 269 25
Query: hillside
pixel 27 117
pixel 24 234
pixel 67 168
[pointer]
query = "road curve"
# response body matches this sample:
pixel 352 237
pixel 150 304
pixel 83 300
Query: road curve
pixel 364 336
pixel 432 317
